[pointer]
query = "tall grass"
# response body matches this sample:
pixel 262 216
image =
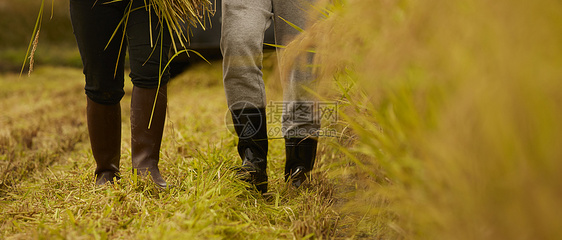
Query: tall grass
pixel 457 108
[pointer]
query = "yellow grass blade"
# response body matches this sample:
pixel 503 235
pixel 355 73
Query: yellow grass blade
pixel 292 25
pixel 34 37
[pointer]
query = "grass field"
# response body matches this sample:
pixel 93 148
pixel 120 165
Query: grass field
pixel 46 171
pixel 46 166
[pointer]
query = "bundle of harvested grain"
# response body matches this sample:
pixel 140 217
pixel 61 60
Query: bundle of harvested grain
pixel 176 14
pixel 179 13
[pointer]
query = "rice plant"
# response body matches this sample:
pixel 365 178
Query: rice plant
pixel 457 113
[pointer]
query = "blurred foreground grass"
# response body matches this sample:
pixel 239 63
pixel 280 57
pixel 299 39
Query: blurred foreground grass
pixel 458 110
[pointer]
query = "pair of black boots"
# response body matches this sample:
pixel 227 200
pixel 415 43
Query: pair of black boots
pixel 104 127
pixel 250 125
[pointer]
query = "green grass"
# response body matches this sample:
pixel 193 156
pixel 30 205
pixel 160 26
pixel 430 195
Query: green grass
pixel 47 188
pixel 11 59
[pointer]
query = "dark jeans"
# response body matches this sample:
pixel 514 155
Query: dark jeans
pixel 95 22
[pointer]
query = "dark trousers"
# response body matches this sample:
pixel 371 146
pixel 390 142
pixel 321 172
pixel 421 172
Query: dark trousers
pixel 95 23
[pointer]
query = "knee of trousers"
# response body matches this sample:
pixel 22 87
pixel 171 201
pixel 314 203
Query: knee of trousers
pixel 242 42
pixel 242 47
pixel 149 73
pixel 150 82
pixel 104 89
pixel 105 96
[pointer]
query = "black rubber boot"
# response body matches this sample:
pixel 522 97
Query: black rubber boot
pixel 146 140
pixel 104 128
pixel 300 156
pixel 251 127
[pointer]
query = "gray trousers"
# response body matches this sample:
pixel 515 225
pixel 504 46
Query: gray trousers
pixel 243 26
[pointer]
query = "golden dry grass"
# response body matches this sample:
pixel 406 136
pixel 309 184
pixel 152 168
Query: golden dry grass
pixel 457 110
pixel 46 170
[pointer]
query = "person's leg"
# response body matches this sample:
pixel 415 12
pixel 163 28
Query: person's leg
pixel 104 127
pixel 300 119
pixel 149 79
pixel 243 26
pixel 146 132
pixel 93 26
